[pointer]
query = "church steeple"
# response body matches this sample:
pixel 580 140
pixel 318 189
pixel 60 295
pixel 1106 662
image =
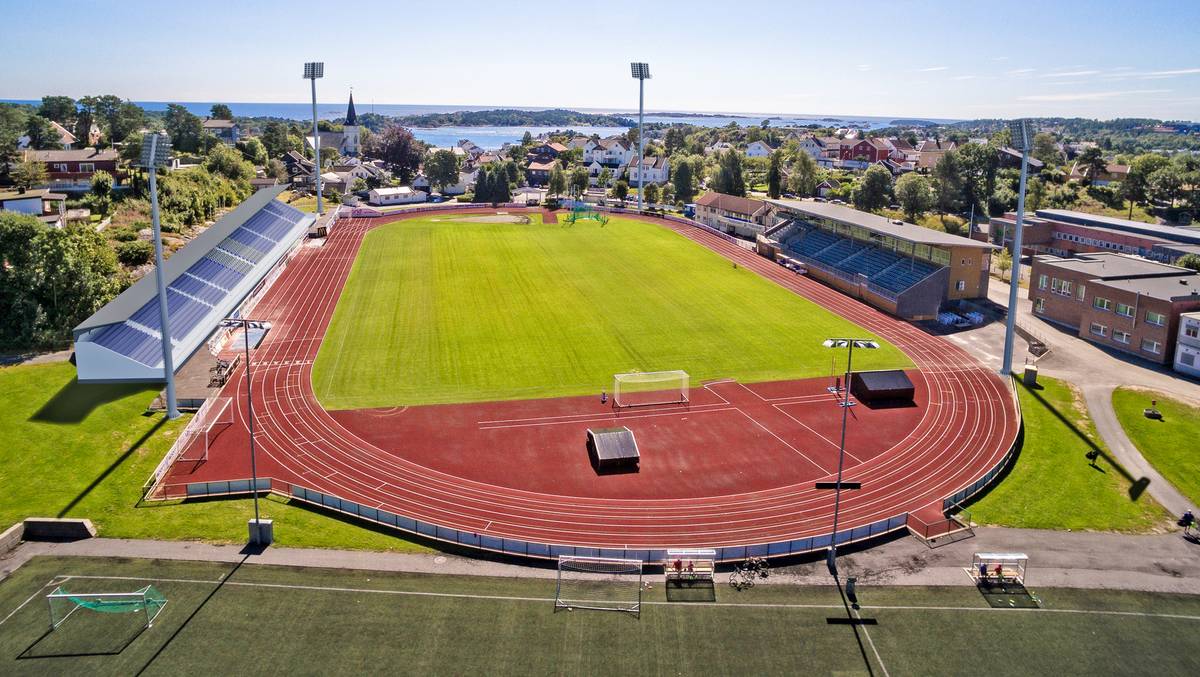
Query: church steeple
pixel 351 117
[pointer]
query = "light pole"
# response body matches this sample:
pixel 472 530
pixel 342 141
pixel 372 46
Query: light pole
pixel 851 343
pixel 256 533
pixel 312 71
pixel 156 151
pixel 641 72
pixel 1022 142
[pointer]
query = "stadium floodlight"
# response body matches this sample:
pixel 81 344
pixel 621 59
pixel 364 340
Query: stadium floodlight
pixel 641 73
pixel 312 71
pixel 850 344
pixel 257 536
pixel 1021 134
pixel 156 152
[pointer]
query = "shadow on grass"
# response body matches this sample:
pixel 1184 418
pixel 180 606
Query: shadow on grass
pixel 1137 486
pixel 75 401
pixel 113 466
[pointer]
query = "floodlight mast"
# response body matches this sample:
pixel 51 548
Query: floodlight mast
pixel 851 344
pixel 156 151
pixel 312 71
pixel 1020 141
pixel 641 72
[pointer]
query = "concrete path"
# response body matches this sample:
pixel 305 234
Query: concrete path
pixel 1159 563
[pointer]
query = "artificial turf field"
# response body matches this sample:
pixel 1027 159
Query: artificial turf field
pixel 252 619
pixel 439 309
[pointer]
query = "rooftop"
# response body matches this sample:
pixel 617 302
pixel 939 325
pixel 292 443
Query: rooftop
pixel 879 224
pixel 1174 288
pixel 1112 266
pixel 43 193
pixel 108 154
pixel 730 203
pixel 1190 234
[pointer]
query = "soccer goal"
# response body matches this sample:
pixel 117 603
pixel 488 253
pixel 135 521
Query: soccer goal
pixel 209 421
pixel 64 604
pixel 646 388
pixel 599 583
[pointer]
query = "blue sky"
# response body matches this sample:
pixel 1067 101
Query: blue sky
pixel 961 59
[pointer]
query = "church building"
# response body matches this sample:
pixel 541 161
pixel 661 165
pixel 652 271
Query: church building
pixel 344 142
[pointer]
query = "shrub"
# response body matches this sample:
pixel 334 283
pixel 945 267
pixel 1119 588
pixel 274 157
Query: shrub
pixel 125 234
pixel 134 253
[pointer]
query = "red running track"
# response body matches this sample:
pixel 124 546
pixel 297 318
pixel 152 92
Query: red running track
pixel 964 426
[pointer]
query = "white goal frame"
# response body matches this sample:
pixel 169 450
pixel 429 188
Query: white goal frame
pixel 211 420
pixel 150 601
pixel 599 569
pixel 650 388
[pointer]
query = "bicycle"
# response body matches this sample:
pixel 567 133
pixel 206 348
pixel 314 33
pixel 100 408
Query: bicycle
pixel 744 575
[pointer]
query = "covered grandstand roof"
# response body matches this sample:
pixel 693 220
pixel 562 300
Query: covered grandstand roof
pixel 206 281
pixel 879 224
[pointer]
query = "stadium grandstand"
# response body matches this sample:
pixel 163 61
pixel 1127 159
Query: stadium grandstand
pixel 899 267
pixel 207 280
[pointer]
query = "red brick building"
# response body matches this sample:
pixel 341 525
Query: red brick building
pixel 872 150
pixel 1121 302
pixel 71 170
pixel 1064 233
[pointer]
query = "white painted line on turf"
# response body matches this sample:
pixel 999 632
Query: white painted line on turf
pixel 57 579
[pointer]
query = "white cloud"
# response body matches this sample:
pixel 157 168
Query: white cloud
pixel 964 77
pixel 1090 96
pixel 999 58
pixel 1020 71
pixel 1068 74
pixel 932 69
pixel 1158 75
pixel 864 67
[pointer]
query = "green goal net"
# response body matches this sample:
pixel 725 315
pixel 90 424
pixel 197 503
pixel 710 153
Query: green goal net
pixel 63 604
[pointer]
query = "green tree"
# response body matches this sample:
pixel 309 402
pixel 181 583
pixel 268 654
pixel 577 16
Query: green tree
pixel 85 117
pixel 483 185
pixel 253 151
pixel 501 190
pixel 527 139
pixel 441 168
pixel 134 253
pixel 730 178
pixel 557 185
pixel 947 182
pixel 228 162
pixel 620 190
pixel 914 195
pixel 875 190
pixel 1166 184
pixel 60 109
pixel 805 175
pixel 774 175
pixel 653 194
pixel 186 130
pixel 1003 261
pixel 398 149
pixel 220 111
pixel 512 172
pixel 1092 162
pixel 275 139
pixel 1191 261
pixel 41 133
pixel 605 177
pixel 1136 186
pixel 27 173
pixel 1035 193
pixel 578 181
pixel 102 184
pixel 1045 149
pixel 684 180
pixel 128 119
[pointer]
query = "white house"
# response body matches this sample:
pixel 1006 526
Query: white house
pixel 466 177
pixel 579 142
pixel 595 169
pixel 657 170
pixel 400 195
pixel 759 149
pixel 612 152
pixel 66 138
pixel 718 147
pixel 1187 345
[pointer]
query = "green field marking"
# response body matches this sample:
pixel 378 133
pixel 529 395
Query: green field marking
pixel 76 450
pixel 1168 444
pixel 369 621
pixel 1052 485
pixel 436 311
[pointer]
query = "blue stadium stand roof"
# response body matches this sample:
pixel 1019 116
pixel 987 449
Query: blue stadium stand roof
pixel 206 281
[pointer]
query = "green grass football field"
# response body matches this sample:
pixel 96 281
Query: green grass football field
pixel 439 310
pixel 253 619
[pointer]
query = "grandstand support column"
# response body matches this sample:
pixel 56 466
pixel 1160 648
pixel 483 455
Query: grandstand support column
pixel 168 363
pixel 1020 139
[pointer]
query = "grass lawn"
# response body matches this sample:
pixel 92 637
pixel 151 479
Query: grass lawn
pixel 1052 486
pixel 1171 444
pixel 73 450
pixel 438 310
pixel 307 203
pixel 230 619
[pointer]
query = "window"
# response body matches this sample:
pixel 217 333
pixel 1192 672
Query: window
pixel 60 167
pixel 1188 359
pixel 1079 292
pixel 1192 331
pixel 87 167
pixel 1151 346
pixel 1100 303
pixel 1066 288
pixel 1099 329
pixel 1042 281
pixel 1039 305
pixel 961 285
pixel 1056 286
pixel 1156 318
pixel 966 262
pixel 1121 337
pixel 1125 309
